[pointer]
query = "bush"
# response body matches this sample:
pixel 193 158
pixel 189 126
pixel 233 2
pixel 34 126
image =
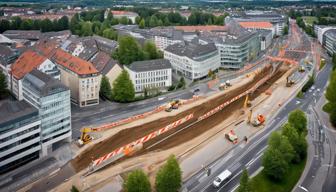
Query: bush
pixel 171 88
pixel 275 165
pixel 137 181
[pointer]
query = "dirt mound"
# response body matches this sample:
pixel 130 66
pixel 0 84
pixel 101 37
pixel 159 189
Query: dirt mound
pixel 128 135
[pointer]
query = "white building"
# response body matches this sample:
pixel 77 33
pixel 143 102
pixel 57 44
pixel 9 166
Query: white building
pixel 150 74
pixel 28 61
pixel 193 60
pixel 19 134
pixel 320 30
pixel 329 41
pixel 52 99
pixel 163 37
pixel 128 14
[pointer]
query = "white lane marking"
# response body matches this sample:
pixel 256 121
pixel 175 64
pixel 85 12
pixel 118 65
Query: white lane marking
pixel 303 188
pixel 234 189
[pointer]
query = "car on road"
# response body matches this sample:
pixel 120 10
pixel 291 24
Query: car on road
pixel 196 90
pixel 221 178
pixel 161 98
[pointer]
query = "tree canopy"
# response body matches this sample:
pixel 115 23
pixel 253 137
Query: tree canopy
pixel 244 185
pixel 169 177
pixel 137 181
pixel 123 89
pixel 275 164
pixel 298 120
pixel 129 50
pixel 105 88
pixel 3 86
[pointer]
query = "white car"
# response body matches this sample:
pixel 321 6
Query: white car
pixel 224 176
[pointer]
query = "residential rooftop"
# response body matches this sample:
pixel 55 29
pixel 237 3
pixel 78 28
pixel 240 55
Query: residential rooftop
pixel 256 24
pixel 73 63
pixel 23 34
pixel 201 28
pixel 149 65
pixel 28 61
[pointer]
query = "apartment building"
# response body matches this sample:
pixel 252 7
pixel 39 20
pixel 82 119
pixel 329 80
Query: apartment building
pixel 193 60
pixel 52 99
pixel 260 25
pixel 80 76
pixel 119 14
pixel 28 61
pixel 20 130
pixel 150 74
pixel 163 37
pixel 278 21
pixel 329 42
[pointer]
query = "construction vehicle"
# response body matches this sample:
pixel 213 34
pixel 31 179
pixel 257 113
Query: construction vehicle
pixel 232 137
pixel 172 105
pixel 247 103
pixel 301 69
pixel 258 121
pixel 289 82
pixel 222 86
pixel 85 138
pixel 228 83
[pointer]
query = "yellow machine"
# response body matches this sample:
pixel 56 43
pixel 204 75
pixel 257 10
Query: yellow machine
pixel 247 102
pixel 85 138
pixel 258 121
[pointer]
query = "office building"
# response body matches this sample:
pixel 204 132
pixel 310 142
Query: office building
pixel 150 74
pixel 52 99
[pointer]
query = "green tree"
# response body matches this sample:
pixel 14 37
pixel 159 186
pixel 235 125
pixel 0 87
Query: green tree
pixel 123 20
pixel 26 24
pixel 331 89
pixel 16 23
pixel 293 137
pixel 3 86
pixel 109 16
pixel 86 28
pixel 4 25
pixel 285 30
pixel 169 177
pixel 275 165
pixel 298 120
pixel 150 50
pixel 153 22
pixel 142 24
pixel 181 83
pixel 74 189
pixel 75 24
pixel 63 23
pixel 334 60
pixel 46 25
pixel 110 34
pixel 137 181
pixel 281 142
pixel 123 89
pixel 128 50
pixel 105 88
pixel 244 185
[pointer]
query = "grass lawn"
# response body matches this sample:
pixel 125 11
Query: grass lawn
pixel 261 183
pixel 309 19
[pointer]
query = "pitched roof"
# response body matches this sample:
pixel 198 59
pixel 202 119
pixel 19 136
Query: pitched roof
pixel 257 24
pixel 28 61
pixel 73 63
pixel 123 13
pixel 201 28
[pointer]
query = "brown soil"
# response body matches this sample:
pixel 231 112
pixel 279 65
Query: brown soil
pixel 128 135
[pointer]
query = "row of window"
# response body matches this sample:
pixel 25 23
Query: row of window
pixel 24 140
pixel 151 80
pixel 19 134
pixel 153 85
pixel 151 74
pixel 19 151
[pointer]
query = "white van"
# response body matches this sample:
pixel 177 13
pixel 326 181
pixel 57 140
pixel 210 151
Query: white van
pixel 224 176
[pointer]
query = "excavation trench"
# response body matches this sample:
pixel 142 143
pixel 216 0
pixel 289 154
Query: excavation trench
pixel 129 135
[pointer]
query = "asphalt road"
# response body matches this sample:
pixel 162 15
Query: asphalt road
pixel 248 155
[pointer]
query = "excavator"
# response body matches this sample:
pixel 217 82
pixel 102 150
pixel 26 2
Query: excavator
pixel 247 103
pixel 172 105
pixel 85 138
pixel 258 121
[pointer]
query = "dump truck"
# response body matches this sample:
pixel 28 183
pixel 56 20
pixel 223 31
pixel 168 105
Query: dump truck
pixel 232 137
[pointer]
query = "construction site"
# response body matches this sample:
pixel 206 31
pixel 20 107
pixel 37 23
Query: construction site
pixel 247 101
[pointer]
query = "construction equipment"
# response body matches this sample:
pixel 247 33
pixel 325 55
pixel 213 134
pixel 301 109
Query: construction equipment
pixel 247 102
pixel 85 138
pixel 301 69
pixel 222 86
pixel 228 83
pixel 231 136
pixel 172 105
pixel 258 121
pixel 289 82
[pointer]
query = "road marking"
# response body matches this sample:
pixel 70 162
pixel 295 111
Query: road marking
pixel 234 189
pixel 303 188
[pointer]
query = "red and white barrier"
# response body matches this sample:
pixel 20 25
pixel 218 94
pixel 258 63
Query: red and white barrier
pixel 143 139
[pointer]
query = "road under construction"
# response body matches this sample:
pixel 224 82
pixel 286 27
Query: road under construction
pixel 181 134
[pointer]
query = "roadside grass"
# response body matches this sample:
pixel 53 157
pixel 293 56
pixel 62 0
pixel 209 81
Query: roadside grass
pixel 310 19
pixel 261 183
pixel 300 95
pixel 327 107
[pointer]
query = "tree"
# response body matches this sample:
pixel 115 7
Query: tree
pixel 86 28
pixel 274 140
pixel 63 23
pixel 123 89
pixel 293 137
pixel 110 34
pixel 150 50
pixel 334 59
pixel 4 25
pixel 169 177
pixel 3 86
pixel 331 89
pixel 137 181
pixel 181 83
pixel 75 24
pixel 275 165
pixel 16 23
pixel 298 120
pixel 123 20
pixel 26 24
pixel 46 25
pixel 74 189
pixel 244 185
pixel 285 30
pixel 142 24
pixel 280 142
pixel 128 50
pixel 105 88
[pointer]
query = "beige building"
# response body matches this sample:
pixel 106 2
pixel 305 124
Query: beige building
pixel 80 76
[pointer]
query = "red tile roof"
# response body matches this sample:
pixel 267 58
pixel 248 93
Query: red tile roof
pixel 123 13
pixel 28 61
pixel 207 28
pixel 257 24
pixel 73 63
